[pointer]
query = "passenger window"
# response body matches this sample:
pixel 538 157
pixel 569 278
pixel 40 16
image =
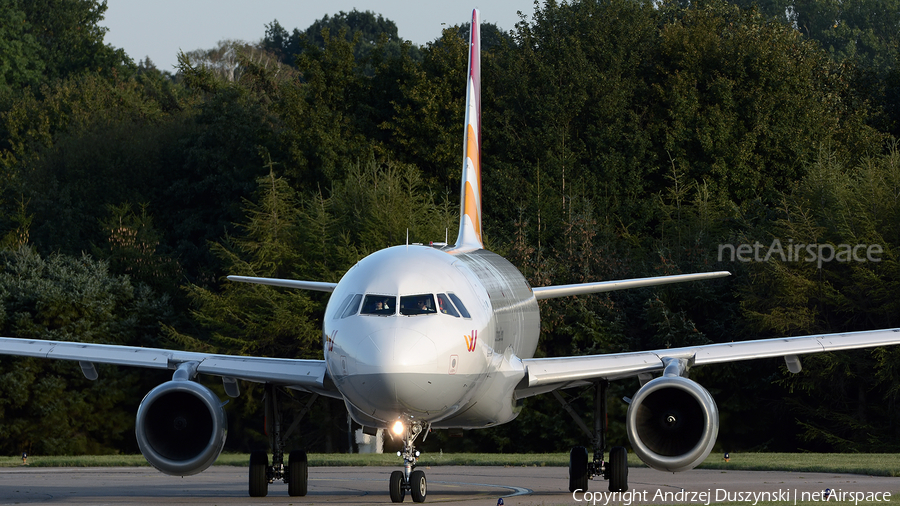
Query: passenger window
pixel 459 305
pixel 445 306
pixel 411 305
pixel 379 305
pixel 353 306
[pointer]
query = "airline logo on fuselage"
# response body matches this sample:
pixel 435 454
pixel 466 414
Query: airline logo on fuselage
pixel 470 340
pixel 330 340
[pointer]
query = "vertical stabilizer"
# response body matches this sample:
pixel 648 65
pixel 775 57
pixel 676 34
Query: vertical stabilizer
pixel 469 237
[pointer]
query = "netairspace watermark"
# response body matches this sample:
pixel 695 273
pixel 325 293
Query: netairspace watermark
pixel 711 496
pixel 799 252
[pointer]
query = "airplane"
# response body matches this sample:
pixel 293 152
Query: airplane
pixel 424 337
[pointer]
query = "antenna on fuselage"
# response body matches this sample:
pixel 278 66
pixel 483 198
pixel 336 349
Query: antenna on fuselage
pixel 407 238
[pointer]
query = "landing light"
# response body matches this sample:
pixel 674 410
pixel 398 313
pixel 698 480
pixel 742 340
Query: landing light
pixel 398 428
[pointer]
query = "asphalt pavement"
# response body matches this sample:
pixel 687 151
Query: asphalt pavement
pixel 463 485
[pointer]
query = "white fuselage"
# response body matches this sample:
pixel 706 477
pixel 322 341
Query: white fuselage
pixel 432 334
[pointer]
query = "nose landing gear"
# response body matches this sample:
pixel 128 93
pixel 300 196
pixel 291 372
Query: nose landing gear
pixel 409 480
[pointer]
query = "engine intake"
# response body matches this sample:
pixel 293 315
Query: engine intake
pixel 672 423
pixel 181 427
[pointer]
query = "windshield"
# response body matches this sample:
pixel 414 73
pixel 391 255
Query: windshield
pixel 459 305
pixel 411 305
pixel 379 305
pixel 445 306
pixel 352 305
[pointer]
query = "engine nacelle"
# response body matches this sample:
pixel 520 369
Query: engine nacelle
pixel 181 427
pixel 672 423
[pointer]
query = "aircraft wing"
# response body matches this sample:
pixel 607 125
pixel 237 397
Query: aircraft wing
pixel 303 374
pixel 551 292
pixel 546 374
pixel 318 286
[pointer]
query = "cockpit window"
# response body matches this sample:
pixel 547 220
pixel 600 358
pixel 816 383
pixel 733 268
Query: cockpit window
pixel 352 306
pixel 459 305
pixel 411 305
pixel 445 306
pixel 380 305
pixel 340 311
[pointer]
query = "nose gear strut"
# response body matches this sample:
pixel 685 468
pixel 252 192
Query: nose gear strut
pixel 410 480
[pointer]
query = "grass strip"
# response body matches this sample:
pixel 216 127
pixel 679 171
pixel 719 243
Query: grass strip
pixel 873 464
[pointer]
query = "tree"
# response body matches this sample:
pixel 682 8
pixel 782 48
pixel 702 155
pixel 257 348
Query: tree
pixel 864 31
pixel 254 319
pixel 426 124
pixel 222 60
pixel 383 204
pixel 842 401
pixel 21 65
pixel 71 39
pixel 744 102
pixel 567 111
pixel 251 319
pixel 132 248
pixel 88 143
pixel 365 30
pixel 321 120
pixel 48 407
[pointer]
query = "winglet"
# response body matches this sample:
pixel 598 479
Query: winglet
pixel 469 237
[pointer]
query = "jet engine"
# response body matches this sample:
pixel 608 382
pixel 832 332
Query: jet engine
pixel 181 427
pixel 672 423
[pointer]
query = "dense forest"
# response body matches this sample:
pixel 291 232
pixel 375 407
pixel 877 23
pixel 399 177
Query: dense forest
pixel 622 138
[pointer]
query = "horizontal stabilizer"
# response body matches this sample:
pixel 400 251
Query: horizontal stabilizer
pixel 552 292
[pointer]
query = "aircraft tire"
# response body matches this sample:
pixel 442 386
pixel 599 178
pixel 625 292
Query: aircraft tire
pixel 259 484
pixel 618 474
pixel 578 469
pixel 298 473
pixel 397 492
pixel 418 486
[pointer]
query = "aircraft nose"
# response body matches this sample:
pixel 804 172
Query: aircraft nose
pixel 396 369
pixel 397 351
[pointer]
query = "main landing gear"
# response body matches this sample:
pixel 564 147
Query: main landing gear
pixel 296 472
pixel 409 480
pixel 580 469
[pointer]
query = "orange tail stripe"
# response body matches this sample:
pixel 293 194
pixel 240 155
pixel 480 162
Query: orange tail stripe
pixel 473 152
pixel 472 210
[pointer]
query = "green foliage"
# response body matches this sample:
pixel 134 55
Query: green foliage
pixel 69 38
pixel 255 319
pixel 252 319
pixel 90 143
pixel 833 205
pixel 132 248
pixel 21 65
pixel 381 204
pixel 622 138
pixel 746 101
pixel 567 111
pixel 860 30
pixel 425 129
pixel 365 30
pixel 48 406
